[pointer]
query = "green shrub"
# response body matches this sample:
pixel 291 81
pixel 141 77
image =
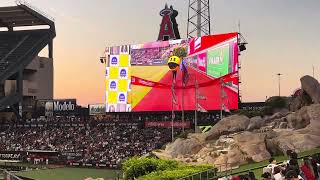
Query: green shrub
pixel 239 111
pixel 271 105
pixel 276 102
pixel 249 113
pixel 143 168
pixel 139 166
pixel 267 110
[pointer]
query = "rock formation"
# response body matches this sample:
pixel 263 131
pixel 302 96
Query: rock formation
pixel 228 125
pixel 255 123
pixel 183 147
pixel 237 139
pixel 312 87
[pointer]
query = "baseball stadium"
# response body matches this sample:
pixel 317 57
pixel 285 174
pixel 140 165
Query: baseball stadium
pixel 170 107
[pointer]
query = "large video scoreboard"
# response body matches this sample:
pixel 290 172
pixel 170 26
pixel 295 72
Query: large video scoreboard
pixel 137 77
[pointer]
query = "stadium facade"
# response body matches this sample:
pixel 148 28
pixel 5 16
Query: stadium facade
pixel 37 82
pixel 25 31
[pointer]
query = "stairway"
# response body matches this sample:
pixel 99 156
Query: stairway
pixel 17 50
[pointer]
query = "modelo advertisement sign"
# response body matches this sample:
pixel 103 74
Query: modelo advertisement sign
pixel 97 109
pixel 60 107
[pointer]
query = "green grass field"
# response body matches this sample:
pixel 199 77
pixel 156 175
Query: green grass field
pixel 70 174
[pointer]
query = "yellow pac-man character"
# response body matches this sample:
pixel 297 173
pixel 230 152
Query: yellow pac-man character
pixel 174 63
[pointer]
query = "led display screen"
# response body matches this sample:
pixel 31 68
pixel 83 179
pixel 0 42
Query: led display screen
pixel 137 77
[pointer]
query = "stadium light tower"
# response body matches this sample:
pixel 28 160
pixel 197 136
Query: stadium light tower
pixel 313 71
pixel 279 74
pixel 198 18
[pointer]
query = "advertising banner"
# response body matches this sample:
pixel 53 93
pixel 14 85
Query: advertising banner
pixel 218 61
pixel 200 44
pixel 252 106
pixel 167 124
pixel 71 155
pixel 60 107
pixel 97 109
pixel 202 62
pixel 12 155
pixel 118 80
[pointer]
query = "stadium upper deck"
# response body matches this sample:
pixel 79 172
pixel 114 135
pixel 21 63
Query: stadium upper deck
pixel 25 31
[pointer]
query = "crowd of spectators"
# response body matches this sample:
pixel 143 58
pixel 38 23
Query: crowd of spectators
pixel 145 56
pixel 107 141
pixel 309 169
pixel 93 140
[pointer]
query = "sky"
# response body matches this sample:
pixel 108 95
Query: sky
pixel 282 37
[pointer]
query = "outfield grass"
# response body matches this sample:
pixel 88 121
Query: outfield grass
pixel 70 174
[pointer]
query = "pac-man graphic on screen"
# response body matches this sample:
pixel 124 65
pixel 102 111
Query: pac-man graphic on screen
pixel 174 63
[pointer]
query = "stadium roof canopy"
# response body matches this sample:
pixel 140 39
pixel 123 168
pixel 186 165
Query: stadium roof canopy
pixel 23 15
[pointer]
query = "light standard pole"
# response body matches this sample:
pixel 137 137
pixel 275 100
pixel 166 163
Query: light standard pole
pixel 279 74
pixel 172 112
pixel 196 105
pixel 182 103
pixel 222 94
pixel 313 71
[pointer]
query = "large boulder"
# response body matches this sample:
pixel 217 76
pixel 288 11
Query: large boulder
pixel 252 145
pixel 303 99
pixel 314 114
pixel 273 147
pixel 303 139
pixel 255 123
pixel 299 119
pixel 312 87
pixel 275 116
pixel 294 140
pixel 296 103
pixel 234 157
pixel 228 125
pixel 183 147
pixel 198 136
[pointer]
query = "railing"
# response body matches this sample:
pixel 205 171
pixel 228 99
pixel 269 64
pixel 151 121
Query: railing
pixel 9 175
pixel 210 174
pixel 25 3
pixel 14 65
pixel 12 50
pixel 232 171
pixel 222 170
pixel 7 100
